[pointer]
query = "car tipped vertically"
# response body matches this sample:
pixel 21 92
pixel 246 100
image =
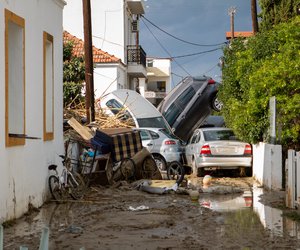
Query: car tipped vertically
pixel 188 104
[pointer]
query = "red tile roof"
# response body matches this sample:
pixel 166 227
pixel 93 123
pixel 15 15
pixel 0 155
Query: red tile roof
pixel 239 34
pixel 99 56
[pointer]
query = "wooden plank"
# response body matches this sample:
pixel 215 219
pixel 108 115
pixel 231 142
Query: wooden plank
pixel 162 183
pixel 84 132
pixel 115 131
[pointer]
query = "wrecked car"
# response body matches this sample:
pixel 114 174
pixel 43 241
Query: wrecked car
pixel 134 107
pixel 188 105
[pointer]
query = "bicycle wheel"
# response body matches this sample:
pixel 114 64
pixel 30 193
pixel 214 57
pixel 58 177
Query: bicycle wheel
pixel 175 171
pixel 127 168
pixel 76 185
pixel 149 168
pixel 54 187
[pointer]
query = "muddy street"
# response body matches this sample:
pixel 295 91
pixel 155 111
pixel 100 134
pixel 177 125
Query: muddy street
pixel 232 214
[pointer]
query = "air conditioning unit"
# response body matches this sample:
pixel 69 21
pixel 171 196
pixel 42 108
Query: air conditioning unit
pixel 135 26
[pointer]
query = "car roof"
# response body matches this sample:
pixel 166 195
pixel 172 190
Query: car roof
pixel 148 128
pixel 214 129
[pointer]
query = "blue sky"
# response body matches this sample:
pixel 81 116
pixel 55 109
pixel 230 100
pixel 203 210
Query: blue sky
pixel 196 21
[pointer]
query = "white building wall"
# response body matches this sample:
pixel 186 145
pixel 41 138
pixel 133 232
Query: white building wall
pixel 267 165
pixel 164 66
pixel 108 78
pixel 108 24
pixel 24 172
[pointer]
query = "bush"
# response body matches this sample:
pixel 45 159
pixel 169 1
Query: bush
pixel 254 70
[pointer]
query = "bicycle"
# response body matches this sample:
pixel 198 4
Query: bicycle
pixel 69 183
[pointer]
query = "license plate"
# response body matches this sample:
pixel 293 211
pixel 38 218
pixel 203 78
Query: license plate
pixel 211 168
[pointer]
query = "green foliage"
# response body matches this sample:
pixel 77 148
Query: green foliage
pixel 74 75
pixel 266 65
pixel 277 11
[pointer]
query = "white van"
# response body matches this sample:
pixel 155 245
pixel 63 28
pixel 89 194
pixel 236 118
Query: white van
pixel 143 113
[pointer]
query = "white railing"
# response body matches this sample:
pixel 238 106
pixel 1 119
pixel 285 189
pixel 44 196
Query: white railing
pixel 292 173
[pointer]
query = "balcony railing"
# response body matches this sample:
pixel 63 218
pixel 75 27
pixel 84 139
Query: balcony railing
pixel 136 54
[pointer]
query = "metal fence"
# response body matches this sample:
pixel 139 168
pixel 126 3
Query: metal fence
pixel 292 170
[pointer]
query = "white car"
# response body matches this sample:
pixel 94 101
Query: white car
pixel 139 109
pixel 217 148
pixel 164 147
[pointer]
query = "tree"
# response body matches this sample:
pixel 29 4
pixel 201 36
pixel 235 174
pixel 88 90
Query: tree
pixel 73 76
pixel 265 65
pixel 274 12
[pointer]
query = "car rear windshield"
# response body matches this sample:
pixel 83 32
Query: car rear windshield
pixel 219 135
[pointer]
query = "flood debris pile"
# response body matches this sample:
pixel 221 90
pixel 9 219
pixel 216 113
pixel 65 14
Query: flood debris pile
pixel 107 152
pixel 120 119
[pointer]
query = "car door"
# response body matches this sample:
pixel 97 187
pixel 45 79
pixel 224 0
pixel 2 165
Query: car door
pixel 147 141
pixel 189 149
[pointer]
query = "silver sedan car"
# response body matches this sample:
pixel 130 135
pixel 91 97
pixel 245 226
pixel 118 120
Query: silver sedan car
pixel 164 146
pixel 210 149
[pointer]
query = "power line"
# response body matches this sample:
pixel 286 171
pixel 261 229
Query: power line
pixel 197 53
pixel 165 49
pixel 210 69
pixel 179 39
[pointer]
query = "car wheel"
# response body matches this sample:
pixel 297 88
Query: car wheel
pixel 160 162
pixel 216 104
pixel 175 171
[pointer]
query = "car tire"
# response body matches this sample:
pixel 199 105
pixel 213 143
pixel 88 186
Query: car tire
pixel 216 104
pixel 160 162
pixel 200 172
pixel 175 171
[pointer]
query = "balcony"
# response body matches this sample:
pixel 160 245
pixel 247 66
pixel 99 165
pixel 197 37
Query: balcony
pixel 136 61
pixel 136 6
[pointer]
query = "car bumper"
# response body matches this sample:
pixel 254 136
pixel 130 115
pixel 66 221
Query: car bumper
pixel 172 156
pixel 224 162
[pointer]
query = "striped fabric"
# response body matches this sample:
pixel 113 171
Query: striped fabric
pixel 126 145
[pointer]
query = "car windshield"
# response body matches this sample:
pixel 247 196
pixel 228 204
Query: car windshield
pixel 219 135
pixel 153 122
pixel 170 135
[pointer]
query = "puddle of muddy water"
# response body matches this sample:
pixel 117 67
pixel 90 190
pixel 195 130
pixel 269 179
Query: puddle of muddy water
pixel 245 208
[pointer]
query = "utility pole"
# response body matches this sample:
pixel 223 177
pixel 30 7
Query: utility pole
pixel 231 13
pixel 254 16
pixel 89 69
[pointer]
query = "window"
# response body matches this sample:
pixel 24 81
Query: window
pixel 118 109
pixel 172 113
pixel 144 135
pixel 153 122
pixel 218 135
pixel 149 63
pixel 186 97
pixel 161 85
pixel 14 79
pixel 153 135
pixel 194 138
pixel 48 87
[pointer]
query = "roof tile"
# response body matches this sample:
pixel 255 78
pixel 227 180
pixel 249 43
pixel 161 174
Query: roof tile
pixel 99 56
